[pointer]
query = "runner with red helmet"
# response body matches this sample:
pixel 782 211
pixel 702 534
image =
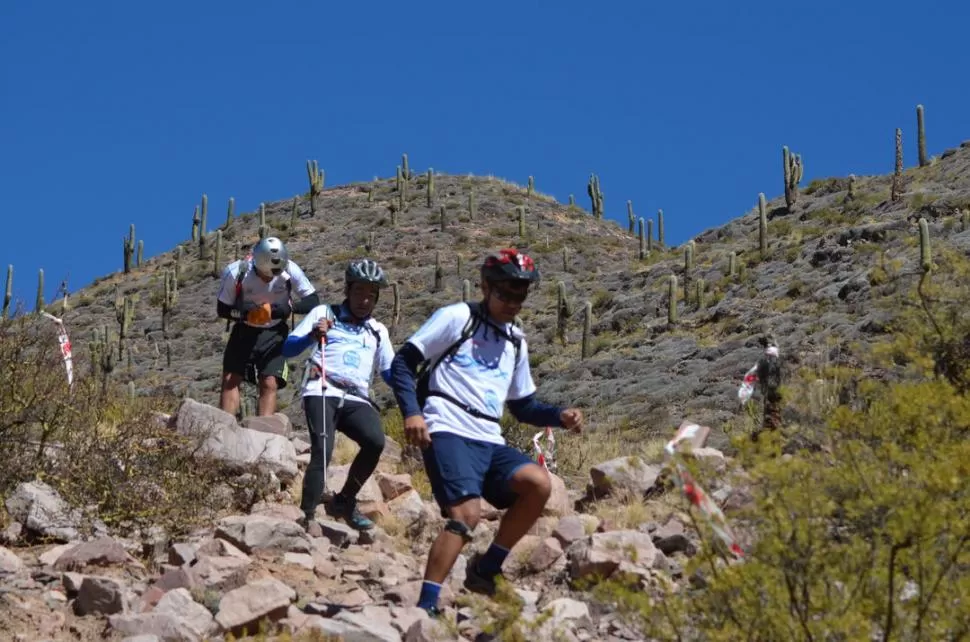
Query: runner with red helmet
pixel 452 379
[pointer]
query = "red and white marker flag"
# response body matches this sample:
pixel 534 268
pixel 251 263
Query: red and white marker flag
pixel 690 433
pixel 65 343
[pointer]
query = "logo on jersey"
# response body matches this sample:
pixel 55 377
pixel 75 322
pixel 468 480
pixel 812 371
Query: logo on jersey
pixel 352 359
pixel 491 402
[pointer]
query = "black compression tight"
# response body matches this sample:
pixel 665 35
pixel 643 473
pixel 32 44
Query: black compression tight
pixel 357 420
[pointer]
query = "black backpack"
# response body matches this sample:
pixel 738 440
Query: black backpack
pixel 475 319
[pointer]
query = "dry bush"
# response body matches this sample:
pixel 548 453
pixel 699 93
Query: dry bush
pixel 103 451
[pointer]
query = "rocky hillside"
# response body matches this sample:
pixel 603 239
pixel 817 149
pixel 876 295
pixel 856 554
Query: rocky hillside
pixel 816 274
pixel 816 286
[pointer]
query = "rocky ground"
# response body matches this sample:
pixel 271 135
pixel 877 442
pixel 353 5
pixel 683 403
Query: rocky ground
pixel 65 577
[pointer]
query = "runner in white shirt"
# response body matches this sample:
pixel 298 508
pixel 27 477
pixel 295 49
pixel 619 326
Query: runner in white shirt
pixel 478 361
pixel 355 342
pixel 257 295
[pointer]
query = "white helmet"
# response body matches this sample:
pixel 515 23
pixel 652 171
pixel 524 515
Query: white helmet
pixel 270 256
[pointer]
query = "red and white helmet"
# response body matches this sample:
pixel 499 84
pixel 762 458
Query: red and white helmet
pixel 509 265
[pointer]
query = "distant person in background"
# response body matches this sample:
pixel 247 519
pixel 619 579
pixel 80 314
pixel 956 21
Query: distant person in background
pixel 256 294
pixel 353 344
pixel 472 361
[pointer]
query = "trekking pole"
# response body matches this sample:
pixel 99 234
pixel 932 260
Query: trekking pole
pixel 323 408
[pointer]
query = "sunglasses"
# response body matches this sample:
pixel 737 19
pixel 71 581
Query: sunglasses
pixel 508 296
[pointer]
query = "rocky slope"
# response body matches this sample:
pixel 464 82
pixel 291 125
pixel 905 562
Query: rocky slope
pixel 819 289
pixel 260 570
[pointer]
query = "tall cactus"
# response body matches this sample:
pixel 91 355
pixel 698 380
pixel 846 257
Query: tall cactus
pixel 925 253
pixel 897 185
pixel 850 194
pixel 8 294
pixel 294 214
pixel 316 178
pixel 263 230
pixel 762 226
pixel 39 303
pixel 430 191
pixel 466 290
pixel 563 311
pixel 129 245
pixel 630 218
pixel 532 187
pixel 203 227
pixel 732 265
pixel 699 293
pixel 439 272
pixel 921 136
pixel 230 212
pixel 793 172
pixel 672 299
pixel 471 204
pixel 443 217
pixel 649 235
pixel 405 169
pixel 565 259
pixel 520 210
pixel 595 195
pixel 398 179
pixel 458 265
pixel 572 201
pixel 689 256
pixel 660 229
pixel 643 240
pixel 196 223
pixel 169 300
pixel 587 329
pixel 217 257
pixel 141 253
pixel 125 315
pixel 178 264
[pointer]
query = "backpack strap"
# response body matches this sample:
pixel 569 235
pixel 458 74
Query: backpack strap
pixel 475 320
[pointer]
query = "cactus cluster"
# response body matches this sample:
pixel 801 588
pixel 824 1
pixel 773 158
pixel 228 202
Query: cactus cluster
pixel 316 178
pixel 595 195
pixel 102 353
pixel 793 172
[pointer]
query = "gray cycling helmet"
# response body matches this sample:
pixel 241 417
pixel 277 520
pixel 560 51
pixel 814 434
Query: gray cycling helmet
pixel 365 271
pixel 270 256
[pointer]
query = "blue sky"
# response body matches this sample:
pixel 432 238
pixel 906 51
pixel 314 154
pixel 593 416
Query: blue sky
pixel 127 112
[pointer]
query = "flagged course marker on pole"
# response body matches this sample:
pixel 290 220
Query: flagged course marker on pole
pixel 65 343
pixel 694 435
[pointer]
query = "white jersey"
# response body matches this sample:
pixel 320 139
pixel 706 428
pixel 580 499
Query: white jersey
pixel 351 352
pixel 482 374
pixel 256 290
